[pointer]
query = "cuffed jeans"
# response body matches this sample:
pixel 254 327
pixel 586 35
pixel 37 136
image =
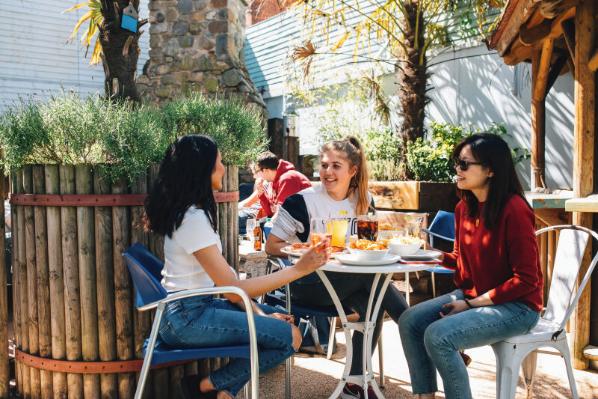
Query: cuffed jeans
pixel 433 343
pixel 353 291
pixel 208 322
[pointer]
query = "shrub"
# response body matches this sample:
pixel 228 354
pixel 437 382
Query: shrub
pixel 237 128
pixel 128 138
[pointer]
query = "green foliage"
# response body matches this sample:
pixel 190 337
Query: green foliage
pixel 237 128
pixel 430 159
pixel 120 138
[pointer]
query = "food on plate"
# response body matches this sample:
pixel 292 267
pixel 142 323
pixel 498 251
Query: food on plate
pixel 385 226
pixel 367 245
pixel 300 245
pixel 408 240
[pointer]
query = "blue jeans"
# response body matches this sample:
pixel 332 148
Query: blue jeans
pixel 433 343
pixel 208 321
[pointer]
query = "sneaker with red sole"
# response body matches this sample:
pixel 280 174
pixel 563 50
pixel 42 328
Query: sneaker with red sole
pixel 354 391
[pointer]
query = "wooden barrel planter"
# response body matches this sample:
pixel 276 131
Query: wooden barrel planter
pixel 76 330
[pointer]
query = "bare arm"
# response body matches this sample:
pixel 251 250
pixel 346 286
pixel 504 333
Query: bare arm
pixel 252 199
pixel 274 244
pixel 219 271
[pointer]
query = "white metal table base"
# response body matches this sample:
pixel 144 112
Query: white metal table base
pixel 366 328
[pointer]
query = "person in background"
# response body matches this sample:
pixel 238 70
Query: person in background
pixel 285 181
pixel 182 208
pixel 497 272
pixel 250 207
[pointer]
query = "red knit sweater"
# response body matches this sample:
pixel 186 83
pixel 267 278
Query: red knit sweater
pixel 503 261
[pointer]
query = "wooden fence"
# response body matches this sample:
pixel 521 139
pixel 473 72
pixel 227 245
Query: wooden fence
pixel 75 326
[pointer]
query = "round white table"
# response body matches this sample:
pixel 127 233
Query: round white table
pixel 366 327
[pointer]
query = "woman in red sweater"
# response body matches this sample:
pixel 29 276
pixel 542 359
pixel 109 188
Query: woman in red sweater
pixel 497 272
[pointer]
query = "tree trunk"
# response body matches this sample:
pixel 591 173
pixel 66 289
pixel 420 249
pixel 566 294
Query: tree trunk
pixel 412 73
pixel 120 51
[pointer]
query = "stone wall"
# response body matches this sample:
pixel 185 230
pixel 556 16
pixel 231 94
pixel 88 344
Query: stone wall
pixel 196 46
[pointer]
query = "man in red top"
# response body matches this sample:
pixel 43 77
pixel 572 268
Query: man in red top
pixel 285 180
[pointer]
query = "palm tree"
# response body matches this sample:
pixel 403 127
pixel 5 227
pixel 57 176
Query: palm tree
pixel 116 48
pixel 410 27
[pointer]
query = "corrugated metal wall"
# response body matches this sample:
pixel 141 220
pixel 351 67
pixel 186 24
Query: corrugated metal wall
pixel 35 58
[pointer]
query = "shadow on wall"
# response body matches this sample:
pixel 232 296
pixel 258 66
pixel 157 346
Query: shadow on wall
pixel 474 87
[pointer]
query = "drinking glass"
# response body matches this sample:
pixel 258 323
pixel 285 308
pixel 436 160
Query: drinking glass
pixel 367 227
pixel 250 226
pixel 318 231
pixel 337 228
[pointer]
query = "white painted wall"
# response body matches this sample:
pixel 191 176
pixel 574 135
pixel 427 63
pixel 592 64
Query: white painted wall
pixel 475 90
pixel 35 58
pixel 473 87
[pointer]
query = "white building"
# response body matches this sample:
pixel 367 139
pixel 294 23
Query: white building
pixel 37 59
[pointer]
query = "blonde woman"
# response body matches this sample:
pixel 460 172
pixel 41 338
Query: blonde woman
pixel 343 192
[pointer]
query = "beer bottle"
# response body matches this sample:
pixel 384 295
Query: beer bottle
pixel 257 237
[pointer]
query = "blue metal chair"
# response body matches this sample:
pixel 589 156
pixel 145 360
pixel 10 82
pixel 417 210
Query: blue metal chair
pixel 145 269
pixel 442 228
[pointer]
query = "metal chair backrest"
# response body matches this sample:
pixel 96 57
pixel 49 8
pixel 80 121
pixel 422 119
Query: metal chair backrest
pixel 563 296
pixel 145 269
pixel 443 227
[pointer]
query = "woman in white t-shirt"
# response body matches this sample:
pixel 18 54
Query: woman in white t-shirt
pixel 181 206
pixel 343 193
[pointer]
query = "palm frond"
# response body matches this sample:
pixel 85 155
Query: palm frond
pixel 95 19
pixel 304 54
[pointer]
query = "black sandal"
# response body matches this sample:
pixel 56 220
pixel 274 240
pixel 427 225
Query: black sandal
pixel 190 388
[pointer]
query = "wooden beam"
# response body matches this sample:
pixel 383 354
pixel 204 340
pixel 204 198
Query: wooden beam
pixel 518 53
pixel 555 70
pixel 557 23
pixel 583 158
pixel 540 80
pixel 515 15
pixel 531 36
pixel 569 35
pixel 593 64
pixel 540 70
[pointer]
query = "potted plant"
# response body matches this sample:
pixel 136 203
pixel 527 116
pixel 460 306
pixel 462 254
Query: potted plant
pixel 80 169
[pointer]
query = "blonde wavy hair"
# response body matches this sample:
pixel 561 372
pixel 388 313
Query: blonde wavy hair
pixel 354 153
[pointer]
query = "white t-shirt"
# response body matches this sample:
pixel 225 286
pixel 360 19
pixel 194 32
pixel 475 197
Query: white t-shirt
pixel 181 269
pixel 291 222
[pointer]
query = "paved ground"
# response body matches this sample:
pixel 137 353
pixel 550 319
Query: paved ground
pixel 315 377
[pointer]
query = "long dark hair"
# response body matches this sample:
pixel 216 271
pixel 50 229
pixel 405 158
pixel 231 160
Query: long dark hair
pixel 184 179
pixel 494 153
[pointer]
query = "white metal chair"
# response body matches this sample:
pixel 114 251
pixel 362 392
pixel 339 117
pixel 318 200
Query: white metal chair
pixel 550 330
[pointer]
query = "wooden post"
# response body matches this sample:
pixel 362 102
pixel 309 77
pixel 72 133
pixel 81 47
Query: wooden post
pixel 105 287
pixel 156 245
pixel 87 281
pixel 70 264
pixel 32 321
pixel 23 294
pixel 42 282
pixel 540 70
pixel 142 320
pixel 16 299
pixel 583 160
pixel 4 367
pixel 56 275
pixel 121 236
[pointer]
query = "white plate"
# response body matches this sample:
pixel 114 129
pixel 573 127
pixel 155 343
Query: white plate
pixel 349 259
pixel 288 250
pixel 423 254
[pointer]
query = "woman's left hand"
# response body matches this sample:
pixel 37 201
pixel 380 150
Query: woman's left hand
pixel 449 309
pixel 289 318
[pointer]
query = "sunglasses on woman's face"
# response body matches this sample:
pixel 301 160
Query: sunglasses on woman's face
pixel 464 164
